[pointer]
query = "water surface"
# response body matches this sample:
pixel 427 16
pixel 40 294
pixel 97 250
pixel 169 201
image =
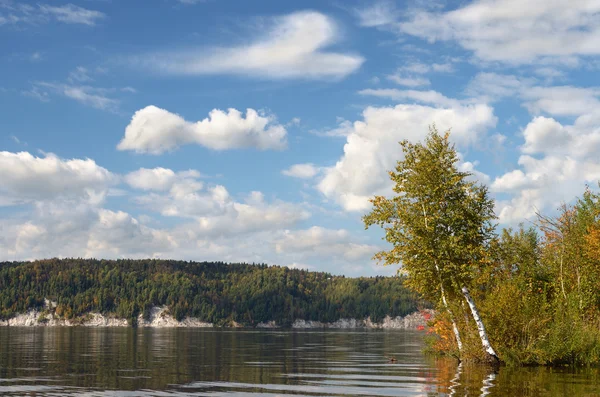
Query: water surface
pixel 215 362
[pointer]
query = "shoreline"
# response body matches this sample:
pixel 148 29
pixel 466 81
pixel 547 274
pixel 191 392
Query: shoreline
pixel 160 317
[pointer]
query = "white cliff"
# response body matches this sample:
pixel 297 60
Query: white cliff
pixel 160 317
pixel 411 321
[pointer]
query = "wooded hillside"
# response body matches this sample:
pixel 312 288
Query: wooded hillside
pixel 213 292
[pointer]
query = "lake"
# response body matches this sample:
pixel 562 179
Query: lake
pixel 216 362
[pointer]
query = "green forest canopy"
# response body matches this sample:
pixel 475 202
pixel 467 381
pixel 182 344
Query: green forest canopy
pixel 214 292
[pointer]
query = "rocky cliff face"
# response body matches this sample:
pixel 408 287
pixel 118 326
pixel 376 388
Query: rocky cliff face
pixel 412 321
pixel 36 318
pixel 161 318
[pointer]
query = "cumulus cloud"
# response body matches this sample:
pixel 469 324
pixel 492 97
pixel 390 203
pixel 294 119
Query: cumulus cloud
pixel 76 229
pixel 302 171
pixel 295 47
pixel 372 148
pixel 343 129
pixel 27 178
pixel 215 212
pixel 566 159
pixel 542 184
pixel 161 179
pixel 556 159
pixel 319 241
pixel 118 234
pixel 513 31
pixel 154 130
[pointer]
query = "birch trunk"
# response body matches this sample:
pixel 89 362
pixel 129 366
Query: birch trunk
pixel 492 356
pixel 454 326
pixel 447 307
pixel 444 301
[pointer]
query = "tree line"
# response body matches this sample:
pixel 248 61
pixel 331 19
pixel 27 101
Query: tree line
pixel 214 292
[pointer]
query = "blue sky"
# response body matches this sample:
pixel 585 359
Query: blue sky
pixel 257 131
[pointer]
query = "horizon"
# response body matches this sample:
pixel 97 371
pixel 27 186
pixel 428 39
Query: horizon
pixel 219 130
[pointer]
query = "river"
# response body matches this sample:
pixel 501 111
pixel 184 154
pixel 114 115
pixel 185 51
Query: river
pixel 215 362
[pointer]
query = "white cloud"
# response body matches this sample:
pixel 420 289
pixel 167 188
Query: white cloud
pixel 36 93
pixel 118 234
pixel 77 87
pixel 422 68
pixel 372 148
pixel 215 212
pixel 160 179
pixel 567 159
pixel 67 230
pixel 476 175
pixel 71 13
pixel 409 81
pixel 512 30
pixel 27 178
pixel 343 129
pixel 549 73
pixel 382 13
pixel 154 130
pixel 86 95
pixel 18 13
pixel 293 48
pixel 71 229
pixel 319 241
pixel 80 74
pixel 64 218
pixel 545 135
pixel 410 74
pixel 562 100
pixel 554 100
pixel 302 171
pixel 490 86
pixel 191 2
pixel 429 97
pixel 542 185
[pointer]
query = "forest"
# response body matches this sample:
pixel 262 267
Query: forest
pixel 217 292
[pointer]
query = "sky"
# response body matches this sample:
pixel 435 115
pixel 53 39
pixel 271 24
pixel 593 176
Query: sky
pixel 257 131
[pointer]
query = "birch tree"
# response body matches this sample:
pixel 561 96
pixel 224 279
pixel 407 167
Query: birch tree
pixel 439 224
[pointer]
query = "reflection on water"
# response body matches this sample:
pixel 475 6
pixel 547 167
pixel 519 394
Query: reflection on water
pixel 209 362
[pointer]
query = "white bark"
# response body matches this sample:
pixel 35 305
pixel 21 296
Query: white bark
pixel 454 326
pixel 445 302
pixel 480 327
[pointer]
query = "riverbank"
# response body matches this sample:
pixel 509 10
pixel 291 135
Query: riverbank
pixel 160 317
